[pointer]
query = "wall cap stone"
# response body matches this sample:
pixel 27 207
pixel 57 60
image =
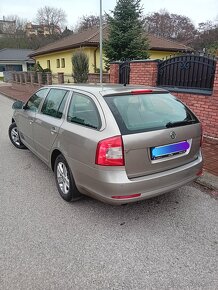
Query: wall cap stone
pixel 116 62
pixel 144 60
pixel 190 91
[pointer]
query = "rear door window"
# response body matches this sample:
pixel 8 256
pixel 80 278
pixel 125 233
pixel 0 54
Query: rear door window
pixel 148 112
pixel 83 111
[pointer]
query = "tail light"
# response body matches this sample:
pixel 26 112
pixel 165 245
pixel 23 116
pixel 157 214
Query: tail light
pixel 109 152
pixel 200 172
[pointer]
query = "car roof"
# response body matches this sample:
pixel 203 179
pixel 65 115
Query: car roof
pixel 108 89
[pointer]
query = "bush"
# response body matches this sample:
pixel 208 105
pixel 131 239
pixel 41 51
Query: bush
pixel 80 64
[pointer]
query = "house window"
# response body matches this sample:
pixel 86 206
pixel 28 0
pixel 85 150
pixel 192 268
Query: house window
pixel 2 67
pixel 49 64
pixel 63 62
pixel 58 62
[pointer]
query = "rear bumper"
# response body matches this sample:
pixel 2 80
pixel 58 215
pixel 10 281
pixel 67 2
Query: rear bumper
pixel 103 183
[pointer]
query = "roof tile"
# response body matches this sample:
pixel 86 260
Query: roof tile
pixel 91 37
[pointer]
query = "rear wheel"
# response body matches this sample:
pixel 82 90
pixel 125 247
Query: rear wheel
pixel 15 137
pixel 64 180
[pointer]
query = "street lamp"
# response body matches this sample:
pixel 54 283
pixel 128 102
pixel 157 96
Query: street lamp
pixel 101 62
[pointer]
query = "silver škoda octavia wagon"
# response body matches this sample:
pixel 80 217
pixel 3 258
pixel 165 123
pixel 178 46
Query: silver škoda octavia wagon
pixel 117 144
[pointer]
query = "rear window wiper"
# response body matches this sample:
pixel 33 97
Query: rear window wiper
pixel 180 123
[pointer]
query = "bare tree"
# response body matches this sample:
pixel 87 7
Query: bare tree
pixel 88 21
pixel 172 26
pixel 207 37
pixel 53 18
pixel 17 24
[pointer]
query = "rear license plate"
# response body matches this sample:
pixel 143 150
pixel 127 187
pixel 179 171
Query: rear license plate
pixel 169 150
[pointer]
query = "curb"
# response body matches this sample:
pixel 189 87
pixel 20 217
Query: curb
pixel 8 96
pixel 208 180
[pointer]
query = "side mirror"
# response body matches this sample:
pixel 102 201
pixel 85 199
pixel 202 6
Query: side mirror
pixel 18 105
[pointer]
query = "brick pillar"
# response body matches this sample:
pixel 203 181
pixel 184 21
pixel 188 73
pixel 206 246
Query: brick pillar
pixel 213 117
pixel 17 80
pixel 39 77
pixel 28 77
pixel 60 78
pixel 32 77
pixel 49 78
pixel 143 72
pixel 25 77
pixel 114 73
pixel 20 78
pixel 15 77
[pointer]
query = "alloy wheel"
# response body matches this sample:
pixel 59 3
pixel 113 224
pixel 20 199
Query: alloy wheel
pixel 63 178
pixel 15 136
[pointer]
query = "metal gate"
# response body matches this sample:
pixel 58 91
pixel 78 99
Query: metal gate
pixel 187 71
pixel 124 72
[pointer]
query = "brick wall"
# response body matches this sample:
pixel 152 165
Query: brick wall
pixel 114 73
pixel 206 108
pixel 95 78
pixel 143 73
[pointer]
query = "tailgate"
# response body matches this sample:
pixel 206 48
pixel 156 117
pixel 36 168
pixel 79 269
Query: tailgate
pixel 156 151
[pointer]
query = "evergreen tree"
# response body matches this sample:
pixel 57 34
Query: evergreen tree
pixel 80 64
pixel 126 38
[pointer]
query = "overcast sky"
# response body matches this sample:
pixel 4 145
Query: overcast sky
pixel 197 10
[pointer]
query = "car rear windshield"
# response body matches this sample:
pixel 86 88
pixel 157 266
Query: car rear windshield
pixel 148 112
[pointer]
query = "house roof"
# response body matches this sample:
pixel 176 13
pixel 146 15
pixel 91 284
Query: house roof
pixel 15 54
pixel 90 37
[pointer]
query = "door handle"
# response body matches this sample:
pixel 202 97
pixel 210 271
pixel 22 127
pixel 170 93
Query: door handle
pixel 53 130
pixel 31 121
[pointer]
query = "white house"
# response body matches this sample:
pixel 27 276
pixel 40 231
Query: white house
pixel 15 60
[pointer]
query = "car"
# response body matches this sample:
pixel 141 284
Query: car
pixel 115 143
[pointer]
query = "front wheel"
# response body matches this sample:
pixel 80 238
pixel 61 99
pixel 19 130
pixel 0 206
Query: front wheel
pixel 15 137
pixel 64 180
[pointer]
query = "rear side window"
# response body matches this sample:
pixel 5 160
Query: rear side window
pixel 148 112
pixel 54 103
pixel 83 111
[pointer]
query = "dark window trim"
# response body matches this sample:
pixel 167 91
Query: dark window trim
pixel 49 63
pixel 58 63
pixel 63 62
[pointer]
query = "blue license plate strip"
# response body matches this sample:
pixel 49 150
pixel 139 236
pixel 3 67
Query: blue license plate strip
pixel 169 150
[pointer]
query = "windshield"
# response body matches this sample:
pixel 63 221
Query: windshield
pixel 148 112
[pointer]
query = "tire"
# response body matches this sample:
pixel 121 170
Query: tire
pixel 65 181
pixel 15 137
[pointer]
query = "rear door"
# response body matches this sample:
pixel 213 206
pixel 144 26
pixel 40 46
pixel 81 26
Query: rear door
pixel 81 132
pixel 158 131
pixel 48 121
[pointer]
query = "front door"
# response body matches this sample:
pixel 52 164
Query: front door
pixel 26 118
pixel 48 121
